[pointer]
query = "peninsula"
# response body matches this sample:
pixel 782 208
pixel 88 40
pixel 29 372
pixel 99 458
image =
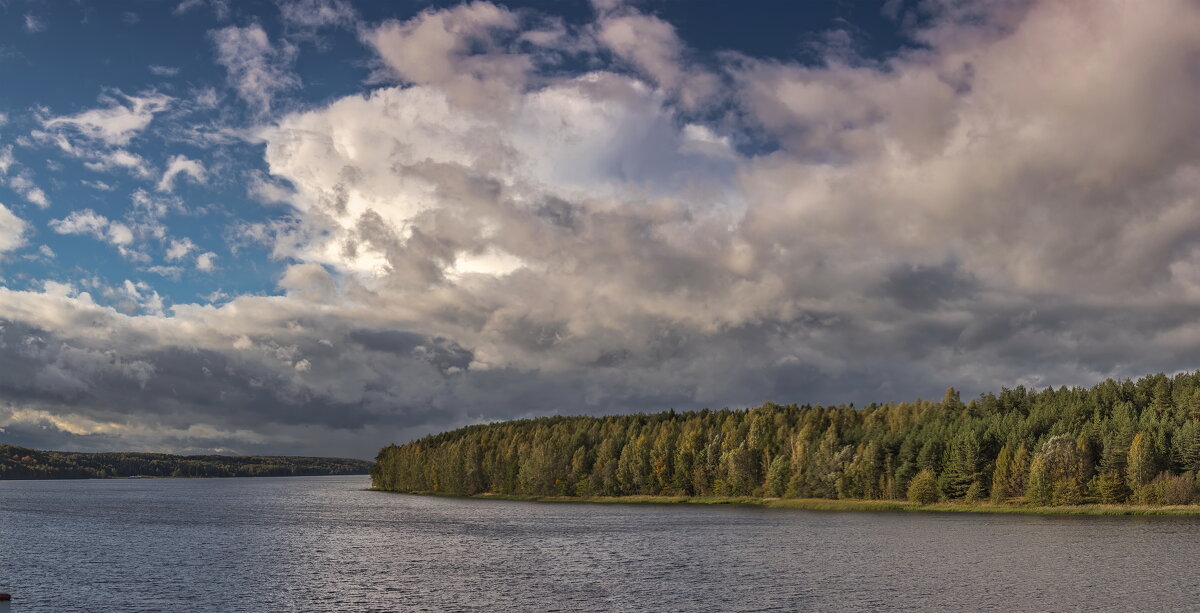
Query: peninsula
pixel 1118 447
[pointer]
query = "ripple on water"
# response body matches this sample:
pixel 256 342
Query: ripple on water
pixel 323 543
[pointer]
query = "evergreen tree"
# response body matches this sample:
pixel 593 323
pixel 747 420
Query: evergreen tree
pixel 962 465
pixel 1039 489
pixel 1001 475
pixel 778 476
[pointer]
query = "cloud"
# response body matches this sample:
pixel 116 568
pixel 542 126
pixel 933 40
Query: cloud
pixel 22 180
pixel 318 13
pixel 116 124
pixel 653 47
pixel 179 249
pixel 89 222
pixel 267 191
pixel 34 24
pixel 257 69
pixel 181 164
pixel 171 272
pixel 924 194
pixel 98 185
pixel 461 50
pixel 163 71
pixel 206 262
pixel 86 222
pixel 220 8
pixel 23 184
pixel 12 230
pixel 105 161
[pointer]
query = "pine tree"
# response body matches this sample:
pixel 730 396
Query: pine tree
pixel 1001 475
pixel 1039 489
pixel 1020 466
pixel 1111 487
pixel 962 466
pixel 1187 446
pixel 777 476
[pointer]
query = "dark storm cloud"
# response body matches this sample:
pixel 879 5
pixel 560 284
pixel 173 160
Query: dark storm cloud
pixel 921 288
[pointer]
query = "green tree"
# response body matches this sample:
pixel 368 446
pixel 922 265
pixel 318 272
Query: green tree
pixel 924 489
pixel 1039 488
pixel 778 476
pixel 1002 475
pixel 1140 468
pixel 962 464
pixel 1111 488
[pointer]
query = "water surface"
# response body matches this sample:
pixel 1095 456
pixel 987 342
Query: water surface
pixel 325 544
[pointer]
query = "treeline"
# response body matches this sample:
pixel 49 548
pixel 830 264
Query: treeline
pixel 1117 442
pixel 22 463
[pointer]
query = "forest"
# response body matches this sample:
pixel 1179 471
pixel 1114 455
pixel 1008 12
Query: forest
pixel 1119 442
pixel 22 463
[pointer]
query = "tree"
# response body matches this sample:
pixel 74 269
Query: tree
pixel 1018 471
pixel 1110 486
pixel 1039 489
pixel 1187 446
pixel 741 472
pixel 923 489
pixel 962 466
pixel 777 476
pixel 1056 473
pixel 1140 468
pixel 1001 475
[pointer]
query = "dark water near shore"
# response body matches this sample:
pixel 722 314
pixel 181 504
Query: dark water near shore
pixel 323 544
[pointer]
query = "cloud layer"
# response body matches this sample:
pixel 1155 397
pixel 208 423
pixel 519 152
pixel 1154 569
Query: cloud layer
pixel 524 217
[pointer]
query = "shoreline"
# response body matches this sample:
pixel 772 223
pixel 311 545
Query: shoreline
pixel 148 477
pixel 823 504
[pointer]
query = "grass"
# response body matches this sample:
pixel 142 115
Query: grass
pixel 824 504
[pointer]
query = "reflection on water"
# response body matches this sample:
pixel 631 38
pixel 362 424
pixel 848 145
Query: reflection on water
pixel 324 544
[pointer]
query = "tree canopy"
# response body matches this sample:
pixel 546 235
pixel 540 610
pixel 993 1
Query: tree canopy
pixel 1119 441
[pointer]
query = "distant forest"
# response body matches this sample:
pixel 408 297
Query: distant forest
pixel 1118 442
pixel 22 463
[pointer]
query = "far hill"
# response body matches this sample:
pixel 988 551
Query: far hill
pixel 23 463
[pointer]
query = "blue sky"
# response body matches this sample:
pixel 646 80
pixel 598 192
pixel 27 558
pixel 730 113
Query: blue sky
pixel 318 226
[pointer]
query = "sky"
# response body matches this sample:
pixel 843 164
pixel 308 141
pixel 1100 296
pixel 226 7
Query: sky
pixel 315 227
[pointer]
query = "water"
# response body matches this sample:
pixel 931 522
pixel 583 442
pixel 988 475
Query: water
pixel 324 544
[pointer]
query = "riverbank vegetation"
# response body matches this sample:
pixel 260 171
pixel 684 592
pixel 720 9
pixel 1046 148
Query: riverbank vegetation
pixel 1117 443
pixel 23 463
pixel 1010 507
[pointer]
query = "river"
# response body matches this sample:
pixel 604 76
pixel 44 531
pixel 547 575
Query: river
pixel 326 544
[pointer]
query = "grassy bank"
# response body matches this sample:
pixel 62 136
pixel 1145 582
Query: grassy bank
pixel 823 504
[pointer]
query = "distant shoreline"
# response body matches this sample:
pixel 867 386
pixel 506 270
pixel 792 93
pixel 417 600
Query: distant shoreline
pixel 25 464
pixel 823 504
pixel 161 478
